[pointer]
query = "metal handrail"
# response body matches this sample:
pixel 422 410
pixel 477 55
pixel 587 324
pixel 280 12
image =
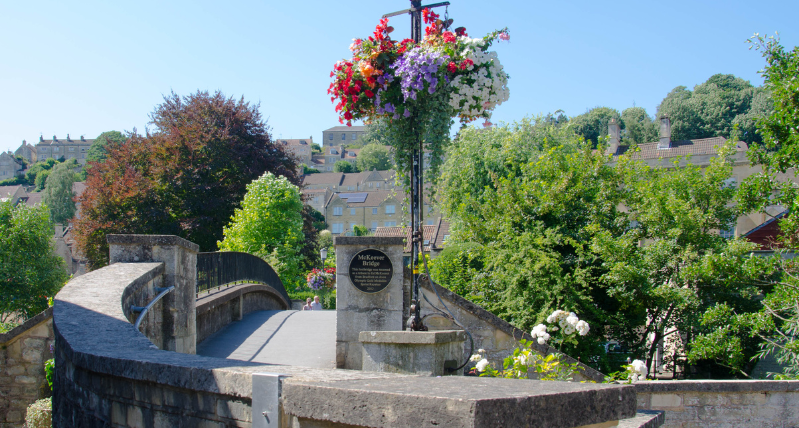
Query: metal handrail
pixel 219 269
pixel 143 309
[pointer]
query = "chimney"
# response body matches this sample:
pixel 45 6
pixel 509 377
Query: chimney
pixel 665 133
pixel 68 139
pixel 54 138
pixel 82 139
pixel 41 139
pixel 614 132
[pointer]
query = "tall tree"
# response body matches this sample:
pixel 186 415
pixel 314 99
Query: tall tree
pixel 269 224
pixel 374 156
pixel 97 151
pixel 58 194
pixel 639 128
pixel 185 178
pixel 713 108
pixel 593 124
pixel 29 268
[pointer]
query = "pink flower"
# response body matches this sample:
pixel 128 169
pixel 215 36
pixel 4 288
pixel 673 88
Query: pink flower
pixel 487 124
pixel 504 36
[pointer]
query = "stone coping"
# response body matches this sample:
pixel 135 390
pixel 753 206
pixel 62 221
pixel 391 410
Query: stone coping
pixel 208 301
pixel 12 334
pixel 412 337
pixel 161 240
pixel 458 401
pixel 506 327
pixel 368 241
pixel 716 386
pixel 644 419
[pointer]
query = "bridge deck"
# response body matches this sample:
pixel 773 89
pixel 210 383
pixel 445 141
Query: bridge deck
pixel 297 338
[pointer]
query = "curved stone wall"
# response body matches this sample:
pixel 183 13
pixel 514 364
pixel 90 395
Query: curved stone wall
pixel 219 308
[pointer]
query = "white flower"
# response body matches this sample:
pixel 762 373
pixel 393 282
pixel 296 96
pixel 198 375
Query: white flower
pixel 481 365
pixel 537 330
pixel 639 370
pixel 572 319
pixel 582 328
pixel 481 351
pixel 569 329
pixel 521 359
pixel 542 341
pixel 475 357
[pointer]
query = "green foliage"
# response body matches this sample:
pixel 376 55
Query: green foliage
pixel 457 267
pixel 374 156
pixel 29 268
pixel 269 225
pixel 185 177
pixel 49 372
pixel 325 240
pixel 316 148
pixel 19 179
pixel 327 298
pixel 343 166
pixel 98 150
pixel 58 193
pixel 39 414
pixel 639 128
pixel 5 327
pixel 360 230
pixel 376 133
pixel 593 124
pixel 525 359
pixel 306 170
pixel 714 107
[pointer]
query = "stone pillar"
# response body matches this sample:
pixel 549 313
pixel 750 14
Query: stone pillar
pixel 180 269
pixel 426 353
pixel 366 301
pixel 665 133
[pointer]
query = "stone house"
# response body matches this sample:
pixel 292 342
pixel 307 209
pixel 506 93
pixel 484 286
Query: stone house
pixel 366 181
pixel 342 135
pixel 16 194
pixel 435 237
pixel 343 211
pixel 27 151
pixel 662 153
pixel 66 148
pixel 340 153
pixel 299 148
pixel 10 167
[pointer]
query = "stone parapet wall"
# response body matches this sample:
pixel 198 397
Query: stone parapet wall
pixel 219 308
pixel 23 352
pixel 722 404
pixel 498 337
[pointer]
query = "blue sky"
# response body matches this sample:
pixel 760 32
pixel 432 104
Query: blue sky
pixel 91 66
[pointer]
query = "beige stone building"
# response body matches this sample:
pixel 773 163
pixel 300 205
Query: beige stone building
pixel 9 166
pixel 299 148
pixel 435 237
pixel 366 181
pixel 697 152
pixel 27 151
pixel 342 135
pixel 66 148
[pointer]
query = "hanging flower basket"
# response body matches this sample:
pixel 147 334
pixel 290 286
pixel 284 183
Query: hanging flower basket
pixel 418 88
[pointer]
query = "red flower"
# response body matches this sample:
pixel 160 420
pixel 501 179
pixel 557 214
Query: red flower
pixel 463 65
pixel 449 37
pixel 347 115
pixel 452 67
pixel 369 93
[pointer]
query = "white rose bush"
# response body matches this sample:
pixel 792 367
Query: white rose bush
pixel 565 327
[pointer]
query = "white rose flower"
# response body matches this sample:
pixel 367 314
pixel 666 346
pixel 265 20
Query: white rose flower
pixel 569 329
pixel 542 341
pixel 481 365
pixel 572 319
pixel 475 358
pixel 481 351
pixel 582 327
pixel 639 370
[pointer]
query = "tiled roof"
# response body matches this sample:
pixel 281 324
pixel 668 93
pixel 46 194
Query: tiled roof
pixel 405 232
pixel 6 191
pixel 704 146
pixel 34 198
pixel 354 178
pixel 294 141
pixel 346 129
pixel 329 178
pixel 374 199
pixel 63 141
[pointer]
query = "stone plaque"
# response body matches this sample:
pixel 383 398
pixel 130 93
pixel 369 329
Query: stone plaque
pixel 371 271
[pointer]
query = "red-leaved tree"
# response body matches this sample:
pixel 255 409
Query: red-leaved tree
pixel 185 177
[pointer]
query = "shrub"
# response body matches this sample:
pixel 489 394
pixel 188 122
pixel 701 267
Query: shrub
pixel 40 414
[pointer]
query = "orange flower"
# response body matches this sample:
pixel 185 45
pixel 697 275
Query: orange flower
pixel 366 69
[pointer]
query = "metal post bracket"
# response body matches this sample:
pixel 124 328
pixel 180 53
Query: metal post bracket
pixel 266 399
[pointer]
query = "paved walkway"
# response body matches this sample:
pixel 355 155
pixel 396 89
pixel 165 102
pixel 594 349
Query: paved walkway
pixel 297 338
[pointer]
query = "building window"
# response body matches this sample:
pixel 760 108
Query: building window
pixel 338 227
pixel 352 211
pixel 331 137
pixel 55 149
pixel 390 223
pixel 352 226
pixel 338 210
pixel 354 137
pixel 389 209
pixel 446 237
pixel 378 185
pixel 370 184
pixel 374 225
pixel 430 222
pixel 374 210
pixel 350 187
pixel 343 137
pixel 728 234
pixel 71 149
pixel 730 182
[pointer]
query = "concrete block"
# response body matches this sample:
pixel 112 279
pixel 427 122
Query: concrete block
pixel 135 417
pixel 26 379
pixel 233 409
pixel 32 355
pixel 118 413
pixel 15 370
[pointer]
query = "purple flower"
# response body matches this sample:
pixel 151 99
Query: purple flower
pixel 407 113
pixel 414 68
pixel 396 116
pixel 389 107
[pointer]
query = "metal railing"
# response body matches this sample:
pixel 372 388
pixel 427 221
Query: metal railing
pixel 224 268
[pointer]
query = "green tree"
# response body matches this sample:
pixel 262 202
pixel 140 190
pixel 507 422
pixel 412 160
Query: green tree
pixel 29 268
pixel 593 124
pixel 374 156
pixel 360 230
pixel 58 194
pixel 269 224
pixel 343 166
pixel 713 108
pixel 639 128
pixel 185 178
pixel 376 133
pixel 97 151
